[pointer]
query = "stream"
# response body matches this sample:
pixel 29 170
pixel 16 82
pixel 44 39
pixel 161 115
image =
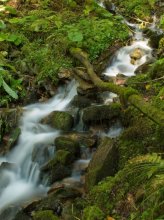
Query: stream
pixel 21 183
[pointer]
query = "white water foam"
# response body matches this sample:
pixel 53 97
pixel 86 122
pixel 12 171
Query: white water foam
pixel 22 183
pixel 121 62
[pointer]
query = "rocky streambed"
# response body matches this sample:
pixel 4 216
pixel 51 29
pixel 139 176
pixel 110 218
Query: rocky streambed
pixel 65 146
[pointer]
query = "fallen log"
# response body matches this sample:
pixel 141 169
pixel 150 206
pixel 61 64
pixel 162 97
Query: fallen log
pixel 127 94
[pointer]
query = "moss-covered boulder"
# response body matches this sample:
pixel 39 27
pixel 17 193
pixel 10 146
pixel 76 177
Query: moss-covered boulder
pixel 104 162
pixel 44 215
pixel 58 167
pixel 60 120
pixel 100 114
pixel 93 213
pixel 68 144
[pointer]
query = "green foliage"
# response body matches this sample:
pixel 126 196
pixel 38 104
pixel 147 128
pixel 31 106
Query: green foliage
pixel 136 192
pixel 162 22
pixel 44 215
pixel 135 7
pixel 93 213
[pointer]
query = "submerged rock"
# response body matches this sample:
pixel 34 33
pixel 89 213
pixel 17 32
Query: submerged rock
pixel 60 120
pixel 104 162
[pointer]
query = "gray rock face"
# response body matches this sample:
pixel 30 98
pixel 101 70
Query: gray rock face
pixel 104 162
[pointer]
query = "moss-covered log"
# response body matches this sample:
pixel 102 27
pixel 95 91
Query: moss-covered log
pixel 125 93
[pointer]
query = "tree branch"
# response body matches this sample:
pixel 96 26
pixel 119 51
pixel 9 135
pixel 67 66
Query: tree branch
pixel 126 93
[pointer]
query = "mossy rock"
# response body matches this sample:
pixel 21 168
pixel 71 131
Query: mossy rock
pixel 93 213
pixel 60 120
pixel 68 144
pixel 58 167
pixel 104 162
pixel 157 69
pixel 55 200
pixel 44 215
pixel 100 114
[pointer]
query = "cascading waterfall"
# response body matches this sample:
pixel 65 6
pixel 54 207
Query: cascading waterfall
pixel 22 182
pixel 121 62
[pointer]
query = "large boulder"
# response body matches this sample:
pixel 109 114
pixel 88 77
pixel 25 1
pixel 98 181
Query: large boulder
pixel 104 162
pixel 60 120
pixel 100 114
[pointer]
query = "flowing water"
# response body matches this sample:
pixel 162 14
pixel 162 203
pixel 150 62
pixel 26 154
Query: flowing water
pixel 21 182
pixel 122 62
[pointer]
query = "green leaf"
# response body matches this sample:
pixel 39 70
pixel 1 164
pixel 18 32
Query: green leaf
pixel 11 92
pixel 75 36
pixel 2 25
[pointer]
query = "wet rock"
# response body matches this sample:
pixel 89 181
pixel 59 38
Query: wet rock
pixel 9 119
pixel 120 79
pixel 65 74
pixel 154 37
pixel 100 114
pixel 136 55
pixel 104 162
pixel 110 6
pixel 81 101
pixel 9 213
pixel 59 167
pixel 41 153
pixel 68 144
pixel 8 166
pixel 54 201
pixel 143 68
pixel 60 120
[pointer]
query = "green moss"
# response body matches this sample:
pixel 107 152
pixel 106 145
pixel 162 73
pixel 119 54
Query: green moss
pixel 62 120
pixel 93 213
pixel 135 8
pixel 159 100
pixel 44 215
pixel 137 190
pixel 157 69
pixel 140 136
pixel 68 144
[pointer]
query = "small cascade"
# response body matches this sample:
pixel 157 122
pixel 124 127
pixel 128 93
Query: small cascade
pixel 22 183
pixel 129 58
